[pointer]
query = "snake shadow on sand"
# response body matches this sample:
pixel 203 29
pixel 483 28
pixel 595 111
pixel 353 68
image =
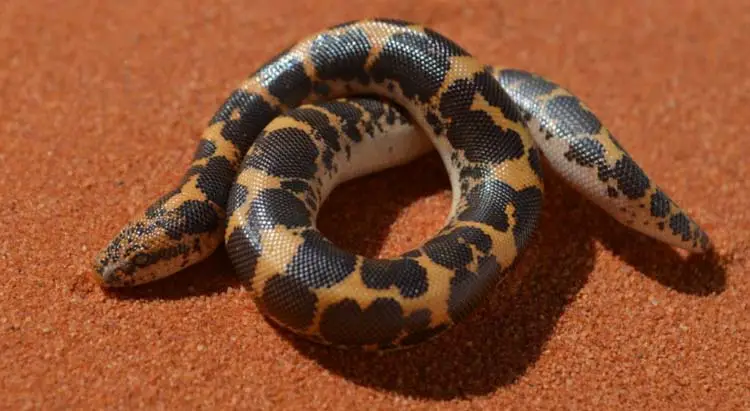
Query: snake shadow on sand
pixel 496 345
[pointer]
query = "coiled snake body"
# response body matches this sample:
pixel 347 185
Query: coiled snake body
pixel 349 101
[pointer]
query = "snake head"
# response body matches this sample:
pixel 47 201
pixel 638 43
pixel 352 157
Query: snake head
pixel 139 253
pixel 158 244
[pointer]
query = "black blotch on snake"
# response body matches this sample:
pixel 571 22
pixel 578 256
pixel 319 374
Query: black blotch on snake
pixel 294 158
pixel 345 322
pixel 407 275
pixel 317 255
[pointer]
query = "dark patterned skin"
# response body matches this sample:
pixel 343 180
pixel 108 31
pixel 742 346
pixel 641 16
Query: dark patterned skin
pixel 349 101
pixel 596 163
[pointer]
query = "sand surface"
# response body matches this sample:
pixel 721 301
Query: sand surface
pixel 103 102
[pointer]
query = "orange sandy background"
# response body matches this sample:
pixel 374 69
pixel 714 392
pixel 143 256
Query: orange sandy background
pixel 103 102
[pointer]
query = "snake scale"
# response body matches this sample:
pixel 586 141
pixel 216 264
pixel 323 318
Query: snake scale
pixel 354 99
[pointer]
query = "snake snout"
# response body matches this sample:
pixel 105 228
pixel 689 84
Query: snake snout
pixel 112 273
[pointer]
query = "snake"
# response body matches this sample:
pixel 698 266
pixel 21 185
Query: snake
pixel 354 99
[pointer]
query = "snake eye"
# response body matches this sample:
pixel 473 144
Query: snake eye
pixel 141 259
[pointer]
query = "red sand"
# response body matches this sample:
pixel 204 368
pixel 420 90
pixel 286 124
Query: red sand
pixel 102 103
